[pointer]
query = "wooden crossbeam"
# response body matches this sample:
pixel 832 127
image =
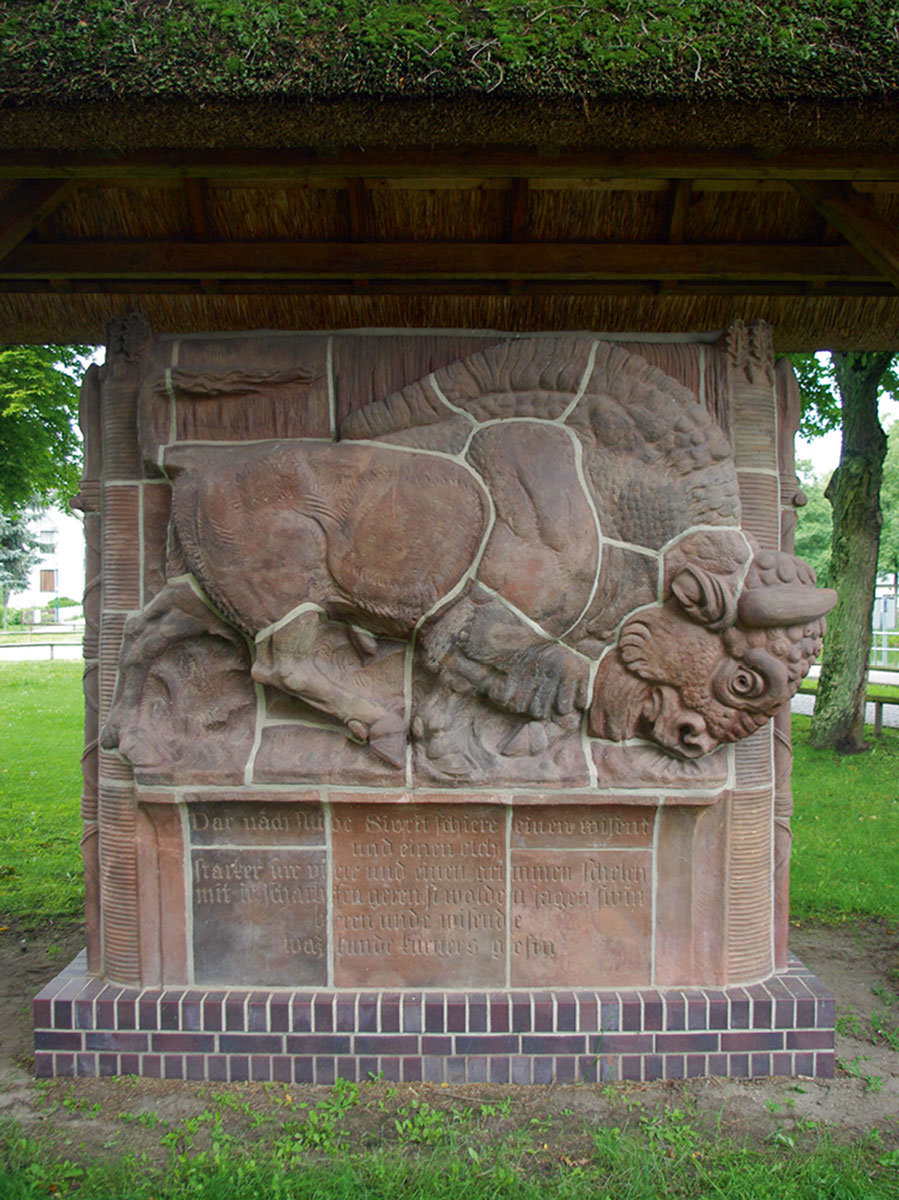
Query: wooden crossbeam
pixel 25 207
pixel 858 221
pixel 445 260
pixel 507 162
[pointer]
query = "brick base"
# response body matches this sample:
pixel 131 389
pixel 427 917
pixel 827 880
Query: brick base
pixel 84 1026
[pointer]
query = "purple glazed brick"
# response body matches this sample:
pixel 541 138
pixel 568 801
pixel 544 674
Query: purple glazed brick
pixel 609 1015
pixel 257 1013
pixel 825 1065
pixel 318 1043
pixel 522 1020
pixel 191 1012
pixel 169 1010
pixel 544 1017
pixel 784 1014
pixel 544 1071
pixel 687 1043
pixel 455 1069
pixel 697 1011
pixel 631 1013
pixel 566 1012
pixel 826 1013
pixel 739 1012
pixel 675 1012
pixel 804 1063
pixel 609 1068
pixel 782 1064
pixel 238 1068
pixel 83 1013
pixel 186 1043
pixel 653 1011
pixel 49 1039
pixel 42 1013
pixel 236 1012
pixel 718 1013
pixel 64 1065
pixel 260 1068
pixel 631 1067
pixel 477 1014
pixel 810 1039
pixel 247 1043
pixel 325 1070
pixel 346 1014
pixel 675 1066
pixel 805 1014
pixel 217 1067
pixel 391 1070
pixel 491 1043
pixel 348 1068
pixel 195 1066
pixel 385 1043
pixel 753 1040
pixel 499 1014
pixel 282 1068
pixel 412 1014
pixel 213 1011
pixel 560 1043
pixel 390 1014
pixel 129 1064
pixel 369 1067
pixel 86 1066
pixel 433 1067
pixel 739 1066
pixel 588 1011
pixel 43 1064
pixel 368 1014
pixel 435 1016
pixel 323 1014
pixel 566 1069
pixel 437 1043
pixel 412 1069
pixel 628 1043
pixel 304 1070
pixel 697 1064
pixel 173 1066
pixel 279 1014
pixel 521 1069
pixel 127 1042
pixel 456 1014
pixel 500 1071
pixel 762 1012
pixel 653 1067
pixel 718 1065
pixel 148 1011
pixel 301 1014
pixel 588 1069
pixel 477 1069
pixel 759 1065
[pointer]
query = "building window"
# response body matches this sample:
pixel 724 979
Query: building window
pixel 48 580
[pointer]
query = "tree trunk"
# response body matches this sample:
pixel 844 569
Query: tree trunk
pixel 854 493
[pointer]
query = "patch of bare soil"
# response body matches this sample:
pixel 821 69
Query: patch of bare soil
pixel 86 1117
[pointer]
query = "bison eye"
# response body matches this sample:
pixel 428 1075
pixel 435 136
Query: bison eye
pixel 747 684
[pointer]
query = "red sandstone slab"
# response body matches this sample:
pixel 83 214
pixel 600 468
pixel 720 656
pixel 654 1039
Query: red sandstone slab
pixel 564 827
pixel 419 897
pixel 274 824
pixel 584 917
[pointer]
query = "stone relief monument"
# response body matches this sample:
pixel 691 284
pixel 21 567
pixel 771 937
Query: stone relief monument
pixel 440 661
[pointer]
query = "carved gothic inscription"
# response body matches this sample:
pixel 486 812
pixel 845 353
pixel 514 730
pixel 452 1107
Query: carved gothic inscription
pixel 581 895
pixel 419 896
pixel 259 893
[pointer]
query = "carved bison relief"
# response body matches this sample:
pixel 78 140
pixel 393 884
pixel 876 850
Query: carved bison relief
pixel 547 532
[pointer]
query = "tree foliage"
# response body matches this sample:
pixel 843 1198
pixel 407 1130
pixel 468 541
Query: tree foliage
pixel 20 550
pixel 814 526
pixel 40 447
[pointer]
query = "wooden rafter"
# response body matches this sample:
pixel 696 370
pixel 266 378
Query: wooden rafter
pixel 25 207
pixel 858 221
pixel 678 204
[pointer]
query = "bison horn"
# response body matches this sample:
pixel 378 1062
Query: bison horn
pixel 784 604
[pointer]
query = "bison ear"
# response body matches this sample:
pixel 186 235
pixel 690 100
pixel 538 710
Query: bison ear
pixel 704 597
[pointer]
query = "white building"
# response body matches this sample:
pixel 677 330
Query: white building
pixel 60 571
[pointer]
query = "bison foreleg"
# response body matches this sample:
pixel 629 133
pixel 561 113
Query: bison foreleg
pixel 296 659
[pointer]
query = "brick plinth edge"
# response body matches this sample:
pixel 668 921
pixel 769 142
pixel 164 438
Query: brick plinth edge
pixel 782 1026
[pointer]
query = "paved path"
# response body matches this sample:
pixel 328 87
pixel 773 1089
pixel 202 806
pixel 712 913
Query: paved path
pixel 806 704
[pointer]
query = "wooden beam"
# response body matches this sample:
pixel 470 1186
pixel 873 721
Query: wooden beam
pixel 25 207
pixel 859 222
pixel 506 162
pixel 678 205
pixel 444 260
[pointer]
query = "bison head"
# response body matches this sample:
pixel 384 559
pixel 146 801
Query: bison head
pixel 705 668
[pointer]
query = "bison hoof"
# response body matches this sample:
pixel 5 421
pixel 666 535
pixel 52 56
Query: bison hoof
pixel 387 739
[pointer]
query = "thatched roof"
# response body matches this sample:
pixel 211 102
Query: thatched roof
pixel 665 166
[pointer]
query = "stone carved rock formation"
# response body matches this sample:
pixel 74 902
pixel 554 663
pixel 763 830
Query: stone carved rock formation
pixel 484 517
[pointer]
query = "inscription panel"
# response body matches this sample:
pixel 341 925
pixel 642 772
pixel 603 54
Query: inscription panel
pixel 419 896
pixel 581 896
pixel 259 894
